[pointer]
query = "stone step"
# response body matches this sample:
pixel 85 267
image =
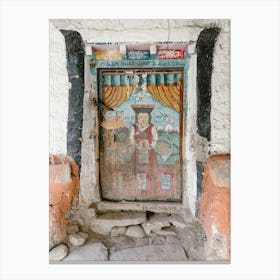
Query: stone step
pixel 104 223
pixel 135 231
pixel 88 252
pixel 155 223
pixel 168 252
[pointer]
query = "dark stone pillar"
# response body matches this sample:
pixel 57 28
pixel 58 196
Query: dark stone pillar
pixel 75 67
pixel 205 48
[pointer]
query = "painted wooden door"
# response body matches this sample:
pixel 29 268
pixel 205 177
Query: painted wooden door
pixel 140 136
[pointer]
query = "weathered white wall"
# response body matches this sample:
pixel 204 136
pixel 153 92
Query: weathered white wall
pixel 58 92
pixel 124 30
pixel 220 101
pixel 137 30
pixel 147 31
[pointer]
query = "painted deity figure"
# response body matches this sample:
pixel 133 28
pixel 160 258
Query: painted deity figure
pixel 143 135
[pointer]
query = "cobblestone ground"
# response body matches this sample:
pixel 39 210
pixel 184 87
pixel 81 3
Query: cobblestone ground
pixel 133 237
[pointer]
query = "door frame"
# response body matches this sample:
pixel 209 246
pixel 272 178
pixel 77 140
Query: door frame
pixel 90 146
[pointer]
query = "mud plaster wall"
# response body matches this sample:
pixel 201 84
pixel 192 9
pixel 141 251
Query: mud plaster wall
pixel 220 101
pixel 58 92
pixel 140 31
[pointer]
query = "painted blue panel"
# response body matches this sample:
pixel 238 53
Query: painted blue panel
pixel 151 79
pixel 138 54
pixel 106 80
pixel 165 181
pixel 124 80
pixel 138 63
pixel 160 78
pixel 169 78
pixel 115 80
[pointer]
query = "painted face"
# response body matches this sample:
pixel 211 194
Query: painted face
pixel 143 119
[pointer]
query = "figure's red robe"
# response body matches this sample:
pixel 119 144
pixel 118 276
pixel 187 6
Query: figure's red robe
pixel 144 135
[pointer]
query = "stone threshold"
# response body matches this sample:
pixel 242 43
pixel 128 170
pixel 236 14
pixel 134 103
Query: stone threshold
pixel 157 207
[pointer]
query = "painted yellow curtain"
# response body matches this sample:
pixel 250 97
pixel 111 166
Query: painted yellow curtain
pixel 114 96
pixel 168 95
pixel 165 88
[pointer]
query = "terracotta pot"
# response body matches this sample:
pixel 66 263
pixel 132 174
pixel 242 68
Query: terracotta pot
pixel 215 205
pixel 63 186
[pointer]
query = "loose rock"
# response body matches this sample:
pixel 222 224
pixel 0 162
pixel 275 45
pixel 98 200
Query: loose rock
pixel 147 229
pixel 104 223
pixel 155 223
pixel 120 242
pixel 135 231
pixel 78 219
pixel 78 239
pixel 72 228
pixel 177 220
pixel 159 220
pixel 116 231
pixel 88 252
pixel 58 253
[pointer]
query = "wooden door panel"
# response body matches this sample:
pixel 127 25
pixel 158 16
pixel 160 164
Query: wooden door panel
pixel 141 136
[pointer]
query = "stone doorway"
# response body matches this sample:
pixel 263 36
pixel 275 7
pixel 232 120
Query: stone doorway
pixel 124 168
